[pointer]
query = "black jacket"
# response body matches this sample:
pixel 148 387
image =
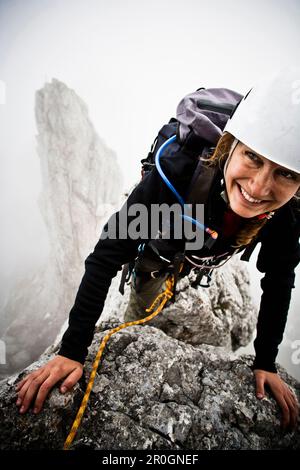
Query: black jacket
pixel 278 257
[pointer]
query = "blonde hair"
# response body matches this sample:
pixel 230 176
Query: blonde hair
pixel 250 227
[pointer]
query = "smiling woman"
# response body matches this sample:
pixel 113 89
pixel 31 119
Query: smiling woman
pixel 255 184
pixel 259 152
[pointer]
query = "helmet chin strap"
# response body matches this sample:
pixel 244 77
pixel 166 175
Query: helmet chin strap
pixel 224 194
pixel 224 191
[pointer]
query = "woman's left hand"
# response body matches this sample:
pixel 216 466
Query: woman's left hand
pixel 285 398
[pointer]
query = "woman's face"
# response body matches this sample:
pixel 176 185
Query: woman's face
pixel 255 184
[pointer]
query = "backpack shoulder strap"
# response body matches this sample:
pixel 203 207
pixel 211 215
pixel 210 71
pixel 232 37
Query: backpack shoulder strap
pixel 164 134
pixel 201 182
pixel 249 250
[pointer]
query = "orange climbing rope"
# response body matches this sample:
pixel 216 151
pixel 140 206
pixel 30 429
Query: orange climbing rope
pixel 165 296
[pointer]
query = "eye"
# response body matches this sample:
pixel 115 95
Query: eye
pixel 252 156
pixel 288 174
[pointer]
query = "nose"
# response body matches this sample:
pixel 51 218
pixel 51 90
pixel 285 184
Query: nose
pixel 261 183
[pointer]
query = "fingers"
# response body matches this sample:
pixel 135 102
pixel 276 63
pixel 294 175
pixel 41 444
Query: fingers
pixel 285 410
pixel 286 399
pixel 29 389
pixel 43 391
pixel 293 406
pixel 37 385
pixel 33 374
pixel 50 381
pixel 24 384
pixel 289 407
pixel 295 401
pixel 71 380
pixel 260 388
pixel 21 383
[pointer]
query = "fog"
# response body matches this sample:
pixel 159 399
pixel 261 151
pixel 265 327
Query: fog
pixel 131 62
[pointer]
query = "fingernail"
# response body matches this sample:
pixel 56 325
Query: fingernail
pixel 22 409
pixel 259 395
pixel 63 389
pixel 35 410
pixel 18 401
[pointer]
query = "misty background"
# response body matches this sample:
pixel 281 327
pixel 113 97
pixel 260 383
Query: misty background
pixel 131 62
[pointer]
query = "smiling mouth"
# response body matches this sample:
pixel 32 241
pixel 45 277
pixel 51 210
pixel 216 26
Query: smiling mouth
pixel 248 198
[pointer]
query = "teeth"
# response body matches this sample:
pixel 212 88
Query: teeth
pixel 248 197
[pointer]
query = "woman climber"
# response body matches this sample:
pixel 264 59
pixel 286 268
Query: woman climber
pixel 240 157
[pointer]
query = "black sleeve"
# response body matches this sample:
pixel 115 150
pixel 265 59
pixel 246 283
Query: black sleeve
pixel 102 265
pixel 278 257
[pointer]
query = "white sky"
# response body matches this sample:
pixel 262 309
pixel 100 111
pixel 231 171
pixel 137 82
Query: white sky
pixel 131 62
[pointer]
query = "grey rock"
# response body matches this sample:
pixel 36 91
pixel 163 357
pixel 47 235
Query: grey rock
pixel 220 315
pixel 153 391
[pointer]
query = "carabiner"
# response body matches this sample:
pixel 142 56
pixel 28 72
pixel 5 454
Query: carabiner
pixel 152 273
pixel 208 277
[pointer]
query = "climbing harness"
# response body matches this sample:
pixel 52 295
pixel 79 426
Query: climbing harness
pixel 164 297
pixel 208 261
pixel 206 266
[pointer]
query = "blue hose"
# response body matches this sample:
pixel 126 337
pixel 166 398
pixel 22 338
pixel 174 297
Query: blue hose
pixel 157 163
pixel 159 152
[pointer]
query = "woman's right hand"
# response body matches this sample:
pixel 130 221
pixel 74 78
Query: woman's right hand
pixel 36 385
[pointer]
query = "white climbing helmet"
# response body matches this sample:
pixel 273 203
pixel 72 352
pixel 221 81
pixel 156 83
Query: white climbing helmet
pixel 268 118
